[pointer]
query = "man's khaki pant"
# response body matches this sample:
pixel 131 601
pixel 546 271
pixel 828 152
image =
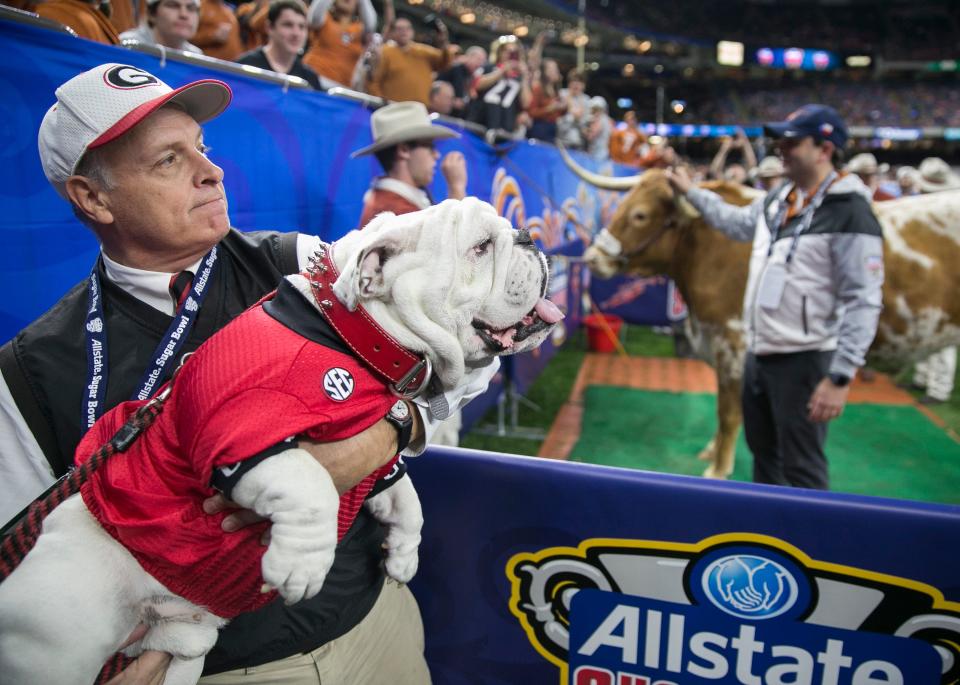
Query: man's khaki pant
pixel 385 648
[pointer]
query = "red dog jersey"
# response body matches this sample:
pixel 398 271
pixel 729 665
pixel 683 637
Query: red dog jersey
pixel 250 386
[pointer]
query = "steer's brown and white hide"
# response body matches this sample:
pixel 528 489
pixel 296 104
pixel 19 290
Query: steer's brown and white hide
pixel 652 232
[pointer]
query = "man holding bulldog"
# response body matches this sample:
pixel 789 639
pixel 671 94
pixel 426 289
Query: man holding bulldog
pixel 128 153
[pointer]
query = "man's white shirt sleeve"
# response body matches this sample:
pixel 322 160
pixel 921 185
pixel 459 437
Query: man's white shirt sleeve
pixel 475 383
pixel 24 470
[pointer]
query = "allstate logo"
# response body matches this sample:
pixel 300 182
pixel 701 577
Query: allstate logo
pixel 750 586
pixel 95 325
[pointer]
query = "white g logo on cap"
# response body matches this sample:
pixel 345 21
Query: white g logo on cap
pixel 127 77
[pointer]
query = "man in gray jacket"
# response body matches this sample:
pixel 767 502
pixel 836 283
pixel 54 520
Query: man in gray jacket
pixel 813 294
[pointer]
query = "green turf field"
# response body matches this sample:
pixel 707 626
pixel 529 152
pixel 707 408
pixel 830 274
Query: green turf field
pixel 873 449
pixel 890 451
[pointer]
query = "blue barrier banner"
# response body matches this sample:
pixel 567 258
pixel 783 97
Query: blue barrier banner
pixel 855 586
pixel 286 161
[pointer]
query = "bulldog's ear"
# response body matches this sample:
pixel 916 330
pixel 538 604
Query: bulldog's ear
pixel 370 273
pixel 364 279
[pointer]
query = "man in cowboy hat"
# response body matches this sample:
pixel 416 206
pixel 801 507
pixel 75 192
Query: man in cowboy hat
pixel 768 173
pixel 865 166
pixel 403 143
pixel 936 175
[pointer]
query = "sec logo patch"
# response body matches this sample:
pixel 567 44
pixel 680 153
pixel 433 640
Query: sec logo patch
pixel 338 384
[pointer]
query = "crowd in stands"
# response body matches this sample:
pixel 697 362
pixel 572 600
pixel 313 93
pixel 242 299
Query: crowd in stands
pixel 336 42
pixel 917 31
pixel 508 89
pixel 861 104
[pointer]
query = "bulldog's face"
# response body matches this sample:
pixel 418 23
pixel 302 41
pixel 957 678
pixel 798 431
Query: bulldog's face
pixel 454 282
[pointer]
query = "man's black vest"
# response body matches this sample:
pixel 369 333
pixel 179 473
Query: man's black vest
pixel 45 366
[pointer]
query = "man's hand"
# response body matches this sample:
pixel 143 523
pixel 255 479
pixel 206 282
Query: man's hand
pixel 150 668
pixel 679 180
pixel 454 169
pixel 240 518
pixel 827 401
pixel 443 36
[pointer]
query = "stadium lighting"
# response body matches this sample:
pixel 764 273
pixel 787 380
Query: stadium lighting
pixel 581 40
pixel 859 61
pixel 730 53
pixel 521 31
pixel 468 17
pixel 624 103
pixel 658 69
pixel 628 69
pixel 645 46
pixel 678 106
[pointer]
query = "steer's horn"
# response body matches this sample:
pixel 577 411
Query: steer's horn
pixel 605 182
pixel 686 209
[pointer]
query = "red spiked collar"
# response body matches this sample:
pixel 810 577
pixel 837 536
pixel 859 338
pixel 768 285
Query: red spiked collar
pixel 407 373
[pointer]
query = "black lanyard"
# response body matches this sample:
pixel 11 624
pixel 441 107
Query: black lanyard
pixel 170 344
pixel 806 217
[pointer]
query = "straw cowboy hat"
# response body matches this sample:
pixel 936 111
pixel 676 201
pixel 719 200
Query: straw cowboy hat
pixel 935 174
pixel 769 167
pixel 402 122
pixel 866 164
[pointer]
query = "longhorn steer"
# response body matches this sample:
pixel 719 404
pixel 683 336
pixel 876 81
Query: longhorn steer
pixel 653 232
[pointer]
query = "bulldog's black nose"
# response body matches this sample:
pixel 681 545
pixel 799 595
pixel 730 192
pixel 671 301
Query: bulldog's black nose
pixel 523 237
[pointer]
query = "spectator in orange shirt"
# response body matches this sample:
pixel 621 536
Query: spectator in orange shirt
pixel 124 13
pixel 219 32
pixel 84 17
pixel 627 142
pixel 252 17
pixel 338 31
pixel 403 142
pixel 405 69
pixel 170 23
pixel 546 105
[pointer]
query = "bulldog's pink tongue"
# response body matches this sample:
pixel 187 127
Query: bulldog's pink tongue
pixel 548 311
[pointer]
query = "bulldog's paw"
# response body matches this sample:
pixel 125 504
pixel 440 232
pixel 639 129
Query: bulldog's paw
pixel 296 493
pixel 401 555
pixel 398 508
pixel 302 546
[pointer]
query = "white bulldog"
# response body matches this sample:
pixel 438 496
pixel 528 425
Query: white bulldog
pixel 454 283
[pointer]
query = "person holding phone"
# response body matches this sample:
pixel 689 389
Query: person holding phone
pixel 503 89
pixel 404 71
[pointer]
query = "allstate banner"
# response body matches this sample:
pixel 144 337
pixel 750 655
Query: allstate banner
pixel 536 571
